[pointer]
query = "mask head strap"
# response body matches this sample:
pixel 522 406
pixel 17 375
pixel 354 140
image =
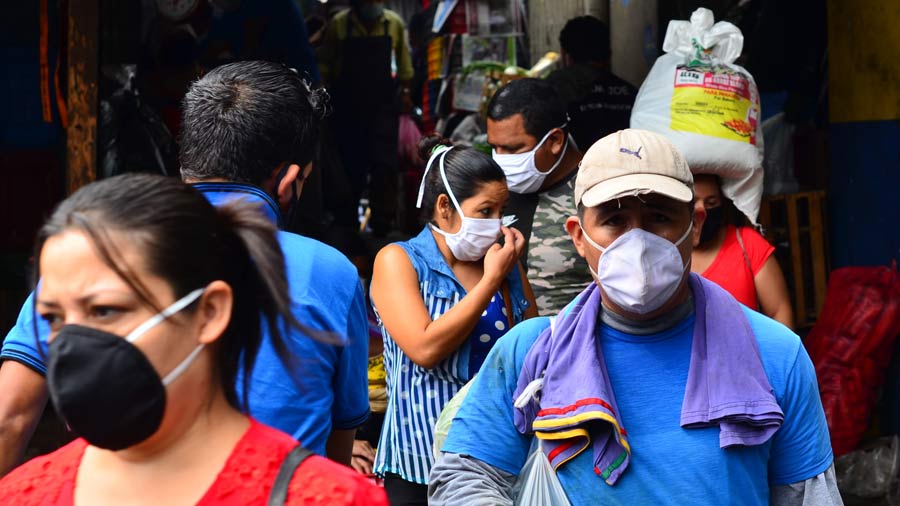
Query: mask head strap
pixel 447 184
pixel 177 306
pixel 439 150
pixel 603 250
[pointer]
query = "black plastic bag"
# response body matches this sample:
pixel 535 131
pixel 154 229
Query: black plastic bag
pixel 133 137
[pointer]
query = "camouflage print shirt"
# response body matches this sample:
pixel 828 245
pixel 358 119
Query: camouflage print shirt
pixel 556 273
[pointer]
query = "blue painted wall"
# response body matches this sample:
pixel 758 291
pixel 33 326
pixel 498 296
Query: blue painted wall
pixel 864 197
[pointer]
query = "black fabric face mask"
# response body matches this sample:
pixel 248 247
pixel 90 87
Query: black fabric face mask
pixel 715 217
pixel 104 387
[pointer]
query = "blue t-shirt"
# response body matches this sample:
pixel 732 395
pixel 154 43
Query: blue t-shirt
pixel 21 344
pixel 670 465
pixel 327 386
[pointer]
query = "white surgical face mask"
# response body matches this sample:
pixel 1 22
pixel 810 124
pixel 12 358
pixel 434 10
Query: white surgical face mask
pixel 522 175
pixel 640 271
pixel 476 235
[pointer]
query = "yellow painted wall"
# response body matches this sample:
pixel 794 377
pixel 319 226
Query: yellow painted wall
pixel 864 60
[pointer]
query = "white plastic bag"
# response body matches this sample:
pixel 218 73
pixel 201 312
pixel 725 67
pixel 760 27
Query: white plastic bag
pixel 538 484
pixel 707 106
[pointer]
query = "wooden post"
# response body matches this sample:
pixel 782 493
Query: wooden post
pixel 83 62
pixel 796 260
pixel 817 244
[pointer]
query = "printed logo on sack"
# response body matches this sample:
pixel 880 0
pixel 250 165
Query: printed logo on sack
pixel 630 152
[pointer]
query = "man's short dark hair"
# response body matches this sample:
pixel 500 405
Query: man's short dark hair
pixel 242 120
pixel 537 101
pixel 585 39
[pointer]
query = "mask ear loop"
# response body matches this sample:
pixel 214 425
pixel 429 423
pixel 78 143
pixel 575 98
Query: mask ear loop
pixel 590 241
pixel 686 233
pixel 561 155
pixel 441 150
pixel 165 313
pixel 180 368
pixel 547 136
pixel 603 250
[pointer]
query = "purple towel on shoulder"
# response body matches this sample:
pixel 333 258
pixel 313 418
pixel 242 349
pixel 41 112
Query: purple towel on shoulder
pixel 726 384
pixel 576 408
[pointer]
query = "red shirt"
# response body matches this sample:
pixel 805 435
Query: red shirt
pixel 246 479
pixel 729 269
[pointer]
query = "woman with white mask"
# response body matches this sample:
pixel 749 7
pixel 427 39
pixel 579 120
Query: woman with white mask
pixel 443 298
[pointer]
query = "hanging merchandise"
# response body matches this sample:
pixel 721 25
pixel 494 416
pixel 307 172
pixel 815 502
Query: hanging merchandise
pixel 493 17
pixel 444 10
pixel 707 106
pixel 493 48
pixel 436 51
pixel 132 137
pixel 408 137
pixel 468 91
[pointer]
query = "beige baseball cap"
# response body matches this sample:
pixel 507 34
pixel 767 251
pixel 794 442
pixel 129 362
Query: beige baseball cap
pixel 632 162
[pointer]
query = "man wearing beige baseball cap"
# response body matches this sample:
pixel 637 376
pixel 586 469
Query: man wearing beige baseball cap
pixel 653 386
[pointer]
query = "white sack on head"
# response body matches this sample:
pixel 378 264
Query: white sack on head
pixel 707 106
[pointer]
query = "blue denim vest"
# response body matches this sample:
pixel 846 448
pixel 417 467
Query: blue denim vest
pixel 417 395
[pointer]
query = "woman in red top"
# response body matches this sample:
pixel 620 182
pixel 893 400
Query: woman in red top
pixel 154 298
pixel 736 257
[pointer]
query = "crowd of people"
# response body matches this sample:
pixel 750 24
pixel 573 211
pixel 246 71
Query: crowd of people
pixel 579 293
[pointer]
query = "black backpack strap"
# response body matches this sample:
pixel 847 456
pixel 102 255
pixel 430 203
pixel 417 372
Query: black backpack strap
pixel 285 473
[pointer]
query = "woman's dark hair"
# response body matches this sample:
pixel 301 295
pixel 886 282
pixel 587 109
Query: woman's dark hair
pixel 467 170
pixel 188 242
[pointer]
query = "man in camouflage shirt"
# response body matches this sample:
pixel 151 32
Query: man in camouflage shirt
pixel 527 130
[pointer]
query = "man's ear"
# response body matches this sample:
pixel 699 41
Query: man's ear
pixel 285 187
pixel 214 311
pixel 573 227
pixel 557 141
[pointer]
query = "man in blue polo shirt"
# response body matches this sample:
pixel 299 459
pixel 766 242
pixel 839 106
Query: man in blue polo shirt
pixel 653 386
pixel 249 132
